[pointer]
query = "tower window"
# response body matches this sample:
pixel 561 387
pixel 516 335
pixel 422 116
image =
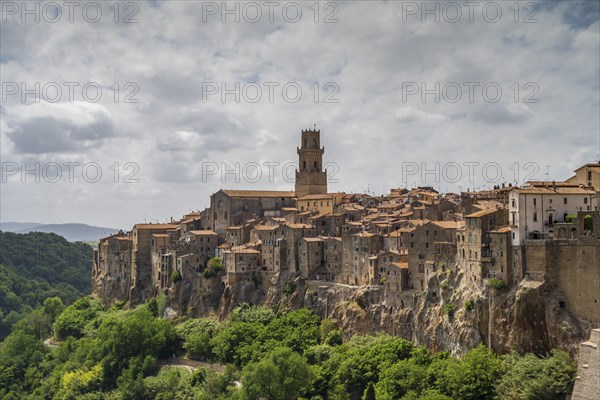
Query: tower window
pixel 304 165
pixel 316 165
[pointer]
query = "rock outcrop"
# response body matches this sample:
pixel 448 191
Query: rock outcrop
pixel 448 315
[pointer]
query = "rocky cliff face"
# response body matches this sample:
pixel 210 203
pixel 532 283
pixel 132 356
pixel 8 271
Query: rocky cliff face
pixel 449 315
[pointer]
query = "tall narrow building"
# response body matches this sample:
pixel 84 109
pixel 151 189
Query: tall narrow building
pixel 310 178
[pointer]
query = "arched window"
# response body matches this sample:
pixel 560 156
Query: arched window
pixel 303 165
pixel 316 166
pixel 314 143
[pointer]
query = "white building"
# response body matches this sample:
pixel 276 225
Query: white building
pixel 535 207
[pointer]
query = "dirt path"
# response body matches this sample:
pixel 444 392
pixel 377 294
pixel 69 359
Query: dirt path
pixel 190 365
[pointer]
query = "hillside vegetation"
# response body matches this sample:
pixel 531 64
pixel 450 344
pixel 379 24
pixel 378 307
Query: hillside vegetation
pixel 114 354
pixel 38 266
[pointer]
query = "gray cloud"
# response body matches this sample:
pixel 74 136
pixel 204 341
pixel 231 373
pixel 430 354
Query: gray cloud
pixel 368 133
pixel 55 128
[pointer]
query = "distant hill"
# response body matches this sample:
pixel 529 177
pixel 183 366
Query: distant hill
pixel 17 226
pixel 71 232
pixel 36 266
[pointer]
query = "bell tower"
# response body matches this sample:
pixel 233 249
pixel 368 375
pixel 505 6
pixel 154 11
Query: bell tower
pixel 310 177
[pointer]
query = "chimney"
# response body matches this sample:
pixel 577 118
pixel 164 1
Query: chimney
pixel 554 185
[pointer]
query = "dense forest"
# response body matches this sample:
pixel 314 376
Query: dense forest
pixel 38 266
pixel 261 354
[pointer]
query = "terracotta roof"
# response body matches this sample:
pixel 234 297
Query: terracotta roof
pixel 364 234
pixel 398 232
pixel 326 196
pixel 299 226
pixel 232 227
pixel 258 193
pixel 401 265
pixel 313 239
pixel 160 235
pixel 558 190
pixel 591 165
pixel 417 222
pixel 448 224
pixel 501 229
pixel 203 232
pixel 154 226
pixel 548 184
pixel 482 213
pixel 123 238
pixel 266 227
pixel 245 251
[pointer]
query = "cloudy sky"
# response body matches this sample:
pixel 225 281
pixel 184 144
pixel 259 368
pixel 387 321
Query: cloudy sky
pixel 112 115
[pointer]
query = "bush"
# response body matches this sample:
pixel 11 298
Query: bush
pixel 176 276
pixel 469 305
pixel 283 374
pixel 496 283
pixel 588 223
pixel 73 319
pixel 570 217
pixel 449 309
pixel 289 288
pixel 215 265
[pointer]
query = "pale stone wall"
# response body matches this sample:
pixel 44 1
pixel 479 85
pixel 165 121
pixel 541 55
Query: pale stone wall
pixel 587 385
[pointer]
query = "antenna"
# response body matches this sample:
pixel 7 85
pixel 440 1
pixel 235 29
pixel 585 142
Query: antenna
pixel 547 172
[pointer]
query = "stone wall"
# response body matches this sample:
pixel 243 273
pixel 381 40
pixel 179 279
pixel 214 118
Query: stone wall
pixel 587 385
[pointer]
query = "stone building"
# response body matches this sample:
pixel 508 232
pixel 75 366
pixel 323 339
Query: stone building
pixel 162 260
pixel 234 207
pixel 497 258
pixel 272 246
pixel 241 259
pixel 111 268
pixel 473 244
pixel 537 206
pixel 310 177
pixel 333 259
pixel 312 251
pixel 357 248
pixel 394 278
pixel 293 234
pixel 141 259
pixel 587 175
pixel 327 224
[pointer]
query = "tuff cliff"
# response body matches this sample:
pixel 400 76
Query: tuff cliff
pixel 448 315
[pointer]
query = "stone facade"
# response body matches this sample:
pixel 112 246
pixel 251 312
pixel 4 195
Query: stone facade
pixel 587 385
pixel 310 177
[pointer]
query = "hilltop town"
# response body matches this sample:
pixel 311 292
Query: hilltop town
pixel 517 268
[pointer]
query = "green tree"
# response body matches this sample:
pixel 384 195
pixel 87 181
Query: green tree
pixel 473 377
pixel 534 378
pixel 281 375
pixel 53 306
